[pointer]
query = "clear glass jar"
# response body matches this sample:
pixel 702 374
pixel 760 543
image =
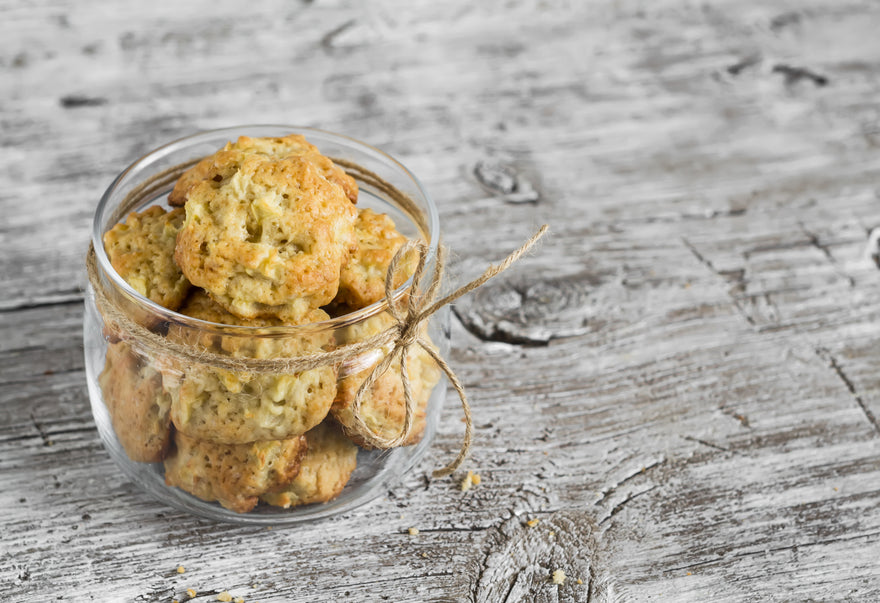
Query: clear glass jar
pixel 137 372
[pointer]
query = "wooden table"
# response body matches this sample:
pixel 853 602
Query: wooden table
pixel 682 386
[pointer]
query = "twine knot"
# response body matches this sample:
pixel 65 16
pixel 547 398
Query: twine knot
pixel 407 332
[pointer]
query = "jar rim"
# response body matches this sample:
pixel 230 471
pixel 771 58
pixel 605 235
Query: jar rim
pixel 257 130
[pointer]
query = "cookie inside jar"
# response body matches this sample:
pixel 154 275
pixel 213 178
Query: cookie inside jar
pixel 256 247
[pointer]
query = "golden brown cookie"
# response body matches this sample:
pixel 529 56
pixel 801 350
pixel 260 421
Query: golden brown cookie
pixel 141 250
pixel 138 406
pixel 383 408
pixel 253 345
pixel 362 279
pixel 326 468
pixel 269 240
pixel 293 145
pixel 233 407
pixel 233 475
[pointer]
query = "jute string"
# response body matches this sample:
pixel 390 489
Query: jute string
pixel 409 312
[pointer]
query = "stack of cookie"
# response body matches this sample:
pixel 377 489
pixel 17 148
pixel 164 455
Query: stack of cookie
pixel 264 233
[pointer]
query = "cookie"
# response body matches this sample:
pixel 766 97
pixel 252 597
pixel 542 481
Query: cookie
pixel 325 469
pixel 138 406
pixel 234 407
pixel 141 250
pixel 253 344
pixel 269 240
pixel 293 145
pixel 362 279
pixel 233 475
pixel 383 408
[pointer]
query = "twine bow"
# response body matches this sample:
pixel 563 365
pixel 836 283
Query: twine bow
pixel 407 332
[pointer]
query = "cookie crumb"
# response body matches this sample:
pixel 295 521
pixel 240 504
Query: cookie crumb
pixel 180 569
pixel 471 479
pixel 579 581
pixel 413 531
pixel 533 522
pixel 191 592
pixel 239 600
pixel 559 577
pixel 224 596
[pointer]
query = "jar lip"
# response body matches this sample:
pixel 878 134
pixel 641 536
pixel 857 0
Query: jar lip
pixel 256 130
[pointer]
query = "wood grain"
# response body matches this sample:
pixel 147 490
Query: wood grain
pixel 681 385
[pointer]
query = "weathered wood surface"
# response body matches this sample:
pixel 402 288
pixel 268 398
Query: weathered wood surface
pixel 682 384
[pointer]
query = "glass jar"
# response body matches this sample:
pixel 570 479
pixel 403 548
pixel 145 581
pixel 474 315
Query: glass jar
pixel 145 363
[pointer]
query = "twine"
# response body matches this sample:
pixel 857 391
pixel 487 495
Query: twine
pixel 406 332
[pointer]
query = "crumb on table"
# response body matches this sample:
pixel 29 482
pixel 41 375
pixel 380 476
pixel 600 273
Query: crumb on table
pixel 471 479
pixel 180 569
pixel 224 596
pixel 533 522
pixel 413 531
pixel 191 592
pixel 559 577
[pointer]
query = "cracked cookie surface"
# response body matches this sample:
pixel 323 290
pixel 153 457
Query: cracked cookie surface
pixel 293 145
pixel 138 406
pixel 233 475
pixel 269 239
pixel 325 469
pixel 362 279
pixel 141 250
pixel 236 406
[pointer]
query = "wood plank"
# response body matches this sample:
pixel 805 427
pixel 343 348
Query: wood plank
pixel 679 385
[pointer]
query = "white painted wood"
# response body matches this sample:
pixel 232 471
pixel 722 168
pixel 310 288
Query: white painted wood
pixel 681 384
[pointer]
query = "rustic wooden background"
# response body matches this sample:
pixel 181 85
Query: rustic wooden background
pixel 682 385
